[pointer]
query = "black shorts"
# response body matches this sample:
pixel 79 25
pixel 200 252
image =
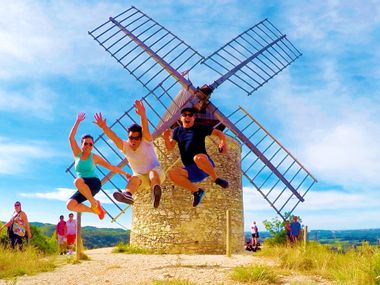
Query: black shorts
pixel 93 183
pixel 255 235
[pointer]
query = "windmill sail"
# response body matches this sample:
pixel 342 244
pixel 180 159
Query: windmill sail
pixel 156 57
pixel 252 58
pixel 280 178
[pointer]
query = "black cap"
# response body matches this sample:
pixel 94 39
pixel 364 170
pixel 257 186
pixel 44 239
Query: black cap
pixel 188 109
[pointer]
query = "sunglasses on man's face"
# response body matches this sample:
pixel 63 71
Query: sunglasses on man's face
pixel 187 115
pixel 134 138
pixel 88 144
pixel 17 205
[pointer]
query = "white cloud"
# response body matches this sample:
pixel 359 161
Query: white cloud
pixel 37 100
pixel 47 39
pixel 16 157
pixel 317 200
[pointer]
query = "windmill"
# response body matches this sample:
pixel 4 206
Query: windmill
pixel 159 60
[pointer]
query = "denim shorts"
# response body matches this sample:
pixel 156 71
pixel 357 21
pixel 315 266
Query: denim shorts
pixel 195 174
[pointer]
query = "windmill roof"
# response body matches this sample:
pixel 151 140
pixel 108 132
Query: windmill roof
pixel 183 99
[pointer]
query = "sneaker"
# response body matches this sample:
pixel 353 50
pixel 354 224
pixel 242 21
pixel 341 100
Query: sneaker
pixel 124 197
pixel 198 197
pixel 156 195
pixel 221 182
pixel 99 210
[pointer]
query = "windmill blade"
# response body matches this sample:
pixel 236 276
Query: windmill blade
pixel 266 164
pixel 252 58
pixel 151 53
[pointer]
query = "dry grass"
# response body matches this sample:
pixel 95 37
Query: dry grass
pixel 26 262
pixel 355 266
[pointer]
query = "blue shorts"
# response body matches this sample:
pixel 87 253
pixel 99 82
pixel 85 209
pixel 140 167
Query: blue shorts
pixel 195 174
pixel 93 183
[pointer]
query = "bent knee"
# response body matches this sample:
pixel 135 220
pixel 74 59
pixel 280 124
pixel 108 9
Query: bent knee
pixel 71 204
pixel 200 157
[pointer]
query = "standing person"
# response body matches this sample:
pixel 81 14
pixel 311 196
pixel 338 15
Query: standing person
pixel 71 225
pixel 198 165
pixel 61 235
pixel 18 227
pixel 254 233
pixel 288 231
pixel 295 228
pixel 87 183
pixel 139 150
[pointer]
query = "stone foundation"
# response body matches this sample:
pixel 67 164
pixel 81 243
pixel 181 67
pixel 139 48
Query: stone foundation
pixel 176 226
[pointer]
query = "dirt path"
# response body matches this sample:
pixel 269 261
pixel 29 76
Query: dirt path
pixel 105 267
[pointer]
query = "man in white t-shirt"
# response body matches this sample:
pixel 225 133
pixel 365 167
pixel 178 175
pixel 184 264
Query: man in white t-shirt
pixel 139 150
pixel 71 226
pixel 254 233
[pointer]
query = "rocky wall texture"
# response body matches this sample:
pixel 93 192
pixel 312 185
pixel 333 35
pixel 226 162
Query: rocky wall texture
pixel 176 226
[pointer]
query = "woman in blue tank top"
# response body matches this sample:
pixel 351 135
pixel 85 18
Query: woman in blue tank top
pixel 87 182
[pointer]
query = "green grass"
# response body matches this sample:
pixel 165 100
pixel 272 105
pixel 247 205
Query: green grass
pixel 29 262
pixel 127 248
pixel 360 266
pixel 255 274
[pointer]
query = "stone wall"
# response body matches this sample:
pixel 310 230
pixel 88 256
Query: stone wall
pixel 176 226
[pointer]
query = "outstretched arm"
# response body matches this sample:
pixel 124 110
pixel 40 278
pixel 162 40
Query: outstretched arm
pixel 222 138
pixel 99 160
pixel 169 142
pixel 109 133
pixel 73 143
pixel 140 110
pixel 5 225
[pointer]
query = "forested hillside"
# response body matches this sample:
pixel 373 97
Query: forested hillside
pixel 92 237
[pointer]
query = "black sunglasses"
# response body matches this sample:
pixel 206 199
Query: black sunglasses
pixel 17 205
pixel 90 144
pixel 132 138
pixel 187 115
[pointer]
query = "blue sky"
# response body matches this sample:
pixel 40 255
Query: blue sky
pixel 324 108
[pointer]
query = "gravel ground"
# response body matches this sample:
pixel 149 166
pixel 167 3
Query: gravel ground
pixel 105 267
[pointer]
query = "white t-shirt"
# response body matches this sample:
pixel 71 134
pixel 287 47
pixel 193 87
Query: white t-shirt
pixel 71 227
pixel 143 159
pixel 254 228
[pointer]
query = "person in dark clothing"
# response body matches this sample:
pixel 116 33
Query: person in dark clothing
pixel 198 165
pixel 18 228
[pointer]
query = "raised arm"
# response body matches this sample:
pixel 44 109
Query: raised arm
pixel 99 160
pixel 169 142
pixel 73 143
pixel 140 110
pixel 222 138
pixel 109 133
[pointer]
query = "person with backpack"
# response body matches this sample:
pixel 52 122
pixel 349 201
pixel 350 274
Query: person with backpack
pixel 18 228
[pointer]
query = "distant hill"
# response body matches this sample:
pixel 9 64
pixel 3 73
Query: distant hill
pixel 93 237
pixel 329 236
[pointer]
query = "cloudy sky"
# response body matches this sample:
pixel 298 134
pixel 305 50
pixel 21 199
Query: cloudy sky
pixel 324 108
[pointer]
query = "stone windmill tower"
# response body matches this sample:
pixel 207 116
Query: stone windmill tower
pixel 156 58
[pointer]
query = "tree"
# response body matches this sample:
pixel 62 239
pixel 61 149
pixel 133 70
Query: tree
pixel 275 227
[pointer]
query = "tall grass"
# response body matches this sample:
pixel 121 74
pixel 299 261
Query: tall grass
pixel 354 266
pixel 30 261
pixel 255 274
